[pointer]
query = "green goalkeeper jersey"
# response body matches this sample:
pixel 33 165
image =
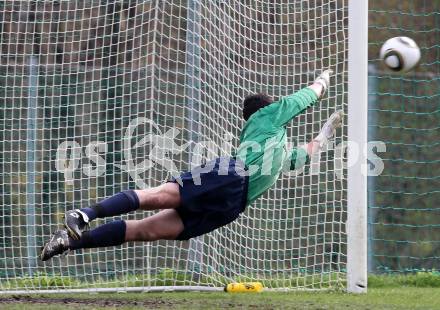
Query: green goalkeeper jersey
pixel 263 141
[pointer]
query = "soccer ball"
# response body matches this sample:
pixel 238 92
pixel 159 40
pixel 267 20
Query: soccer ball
pixel 400 54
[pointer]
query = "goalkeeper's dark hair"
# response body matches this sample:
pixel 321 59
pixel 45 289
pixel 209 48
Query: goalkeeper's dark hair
pixel 253 103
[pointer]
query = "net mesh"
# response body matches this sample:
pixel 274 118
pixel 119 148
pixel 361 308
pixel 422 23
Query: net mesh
pixel 86 86
pixel 403 200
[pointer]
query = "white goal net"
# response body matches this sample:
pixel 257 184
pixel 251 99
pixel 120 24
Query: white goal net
pixel 87 86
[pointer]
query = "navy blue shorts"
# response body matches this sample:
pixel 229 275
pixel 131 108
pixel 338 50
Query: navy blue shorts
pixel 212 195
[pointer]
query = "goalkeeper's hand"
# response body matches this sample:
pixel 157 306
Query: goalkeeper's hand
pixel 328 130
pixel 324 80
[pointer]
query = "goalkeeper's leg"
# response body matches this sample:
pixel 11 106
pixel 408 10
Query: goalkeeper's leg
pixel 164 225
pixel 165 196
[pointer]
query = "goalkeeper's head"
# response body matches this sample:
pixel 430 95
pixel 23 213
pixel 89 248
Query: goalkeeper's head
pixel 253 103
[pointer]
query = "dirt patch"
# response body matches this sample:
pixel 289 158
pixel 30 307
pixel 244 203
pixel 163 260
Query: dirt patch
pixel 154 302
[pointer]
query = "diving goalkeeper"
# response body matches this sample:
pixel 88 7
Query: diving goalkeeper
pixel 209 196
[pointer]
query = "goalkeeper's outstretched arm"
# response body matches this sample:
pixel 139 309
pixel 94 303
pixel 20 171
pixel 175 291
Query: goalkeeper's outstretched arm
pixel 321 83
pixel 282 111
pixel 326 133
pixel 301 155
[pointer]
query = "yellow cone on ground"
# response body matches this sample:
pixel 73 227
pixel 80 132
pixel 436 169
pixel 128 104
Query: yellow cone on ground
pixel 246 287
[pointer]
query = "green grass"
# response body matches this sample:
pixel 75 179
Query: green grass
pixel 169 277
pixel 412 291
pixel 377 298
pixel 420 279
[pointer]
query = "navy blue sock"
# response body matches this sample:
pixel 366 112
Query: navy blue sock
pixel 109 234
pixel 118 204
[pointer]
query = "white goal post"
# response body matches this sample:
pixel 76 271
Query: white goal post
pixel 357 133
pixel 88 91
